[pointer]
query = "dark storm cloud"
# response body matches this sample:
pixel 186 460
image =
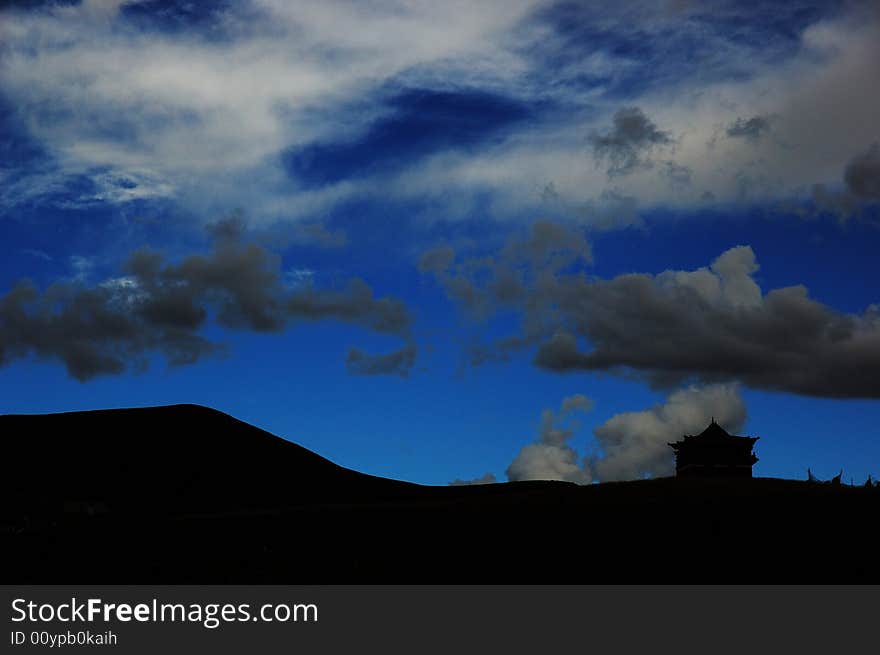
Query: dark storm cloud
pixel 628 144
pixel 86 329
pixel 715 325
pixel 710 325
pixel 752 128
pixel 398 362
pixel 159 306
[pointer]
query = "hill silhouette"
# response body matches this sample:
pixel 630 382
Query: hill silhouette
pixel 188 494
pixel 168 460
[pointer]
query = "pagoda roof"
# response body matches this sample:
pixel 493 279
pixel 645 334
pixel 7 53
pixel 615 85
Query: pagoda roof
pixel 714 433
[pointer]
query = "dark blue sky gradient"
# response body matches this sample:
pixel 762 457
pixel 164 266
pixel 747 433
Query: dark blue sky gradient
pixel 507 129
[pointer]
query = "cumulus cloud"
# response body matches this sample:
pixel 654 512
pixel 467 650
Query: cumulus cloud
pixel 712 324
pixel 160 306
pixel 715 324
pixel 551 457
pixel 634 444
pixel 629 143
pixel 629 445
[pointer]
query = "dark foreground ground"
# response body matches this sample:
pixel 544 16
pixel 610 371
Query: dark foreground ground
pixel 185 494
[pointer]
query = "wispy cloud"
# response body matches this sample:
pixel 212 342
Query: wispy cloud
pixel 106 94
pixel 292 108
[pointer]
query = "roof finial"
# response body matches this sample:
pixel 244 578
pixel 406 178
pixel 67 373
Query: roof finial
pixel 713 420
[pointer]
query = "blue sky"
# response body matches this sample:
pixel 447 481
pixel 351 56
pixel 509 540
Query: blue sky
pixel 451 241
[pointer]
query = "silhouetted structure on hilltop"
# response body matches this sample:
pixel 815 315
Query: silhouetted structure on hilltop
pixel 189 495
pixel 714 453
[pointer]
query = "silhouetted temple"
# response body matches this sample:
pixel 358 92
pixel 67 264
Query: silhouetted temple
pixel 713 453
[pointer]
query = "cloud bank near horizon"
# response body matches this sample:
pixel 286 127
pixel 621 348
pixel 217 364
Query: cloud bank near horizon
pixel 629 445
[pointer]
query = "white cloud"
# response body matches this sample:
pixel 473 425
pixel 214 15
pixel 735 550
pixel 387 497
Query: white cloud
pixel 630 445
pixel 823 100
pixel 185 117
pixel 174 115
pixel 728 282
pixel 634 444
pixel 551 457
